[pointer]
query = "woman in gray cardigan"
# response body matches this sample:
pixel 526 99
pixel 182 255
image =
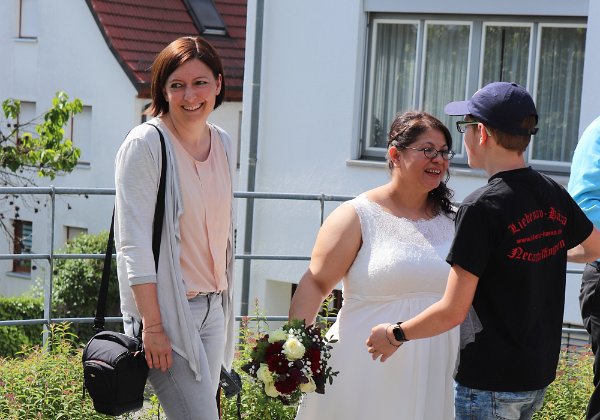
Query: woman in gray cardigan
pixel 186 305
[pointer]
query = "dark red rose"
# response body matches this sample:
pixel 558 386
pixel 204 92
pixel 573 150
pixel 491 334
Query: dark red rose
pixel 296 375
pixel 274 348
pixel 320 383
pixel 314 355
pixel 277 363
pixel 286 386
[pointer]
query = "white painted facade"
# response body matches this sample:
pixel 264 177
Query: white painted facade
pixel 70 54
pixel 313 69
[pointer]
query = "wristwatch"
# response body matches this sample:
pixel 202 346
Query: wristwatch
pixel 399 333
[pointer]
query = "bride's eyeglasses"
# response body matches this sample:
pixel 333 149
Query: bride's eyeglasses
pixel 431 153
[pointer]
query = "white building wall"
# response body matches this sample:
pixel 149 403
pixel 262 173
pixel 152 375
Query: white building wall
pixel 311 87
pixel 70 54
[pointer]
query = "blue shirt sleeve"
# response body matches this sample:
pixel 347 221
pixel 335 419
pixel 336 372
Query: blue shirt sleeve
pixel 584 182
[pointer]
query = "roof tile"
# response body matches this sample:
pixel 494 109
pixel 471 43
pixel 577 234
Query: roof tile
pixel 137 30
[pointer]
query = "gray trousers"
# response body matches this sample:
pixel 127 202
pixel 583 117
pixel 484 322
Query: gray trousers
pixel 181 396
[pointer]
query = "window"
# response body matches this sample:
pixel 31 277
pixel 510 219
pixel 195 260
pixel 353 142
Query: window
pixel 424 63
pixel 334 306
pixel 26 119
pixel 22 245
pixel 71 232
pixel 28 26
pixel 81 133
pixel 206 17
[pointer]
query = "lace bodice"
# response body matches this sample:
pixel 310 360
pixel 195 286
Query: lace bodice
pixel 398 256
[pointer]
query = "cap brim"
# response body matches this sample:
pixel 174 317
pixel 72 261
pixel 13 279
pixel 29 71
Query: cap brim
pixel 457 108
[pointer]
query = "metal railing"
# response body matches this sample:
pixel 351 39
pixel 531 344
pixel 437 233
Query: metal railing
pixel 53 192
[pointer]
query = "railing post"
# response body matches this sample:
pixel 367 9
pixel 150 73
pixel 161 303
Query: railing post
pixel 49 278
pixel 322 200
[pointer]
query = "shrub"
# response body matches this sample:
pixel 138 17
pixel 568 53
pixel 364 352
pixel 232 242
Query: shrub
pixel 45 384
pixel 48 383
pixel 77 281
pixel 567 397
pixel 13 338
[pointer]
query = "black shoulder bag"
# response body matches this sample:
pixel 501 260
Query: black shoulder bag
pixel 114 364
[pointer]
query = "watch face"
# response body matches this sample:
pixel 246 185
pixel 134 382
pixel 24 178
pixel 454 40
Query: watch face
pixel 398 333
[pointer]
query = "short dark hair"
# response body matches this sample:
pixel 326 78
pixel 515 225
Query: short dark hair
pixel 515 142
pixel 404 131
pixel 174 55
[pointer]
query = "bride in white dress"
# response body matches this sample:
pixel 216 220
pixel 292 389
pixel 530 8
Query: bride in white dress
pixel 388 246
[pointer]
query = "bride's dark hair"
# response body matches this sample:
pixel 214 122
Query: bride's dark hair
pixel 404 131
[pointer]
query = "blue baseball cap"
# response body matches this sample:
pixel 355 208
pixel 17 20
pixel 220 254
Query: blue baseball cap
pixel 501 105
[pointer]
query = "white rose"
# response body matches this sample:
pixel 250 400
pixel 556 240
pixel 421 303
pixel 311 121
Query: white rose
pixel 293 348
pixel 277 335
pixel 308 387
pixel 270 390
pixel 264 374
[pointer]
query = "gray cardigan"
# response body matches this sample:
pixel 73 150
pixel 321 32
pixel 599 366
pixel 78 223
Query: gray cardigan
pixel 137 174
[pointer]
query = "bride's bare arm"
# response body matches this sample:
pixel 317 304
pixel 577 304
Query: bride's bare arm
pixel 337 244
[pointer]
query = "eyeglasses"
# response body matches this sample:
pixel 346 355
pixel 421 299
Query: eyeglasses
pixel 461 126
pixel 431 153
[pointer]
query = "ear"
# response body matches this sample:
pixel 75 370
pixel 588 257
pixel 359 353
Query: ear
pixel 394 154
pixel 165 95
pixel 483 134
pixel 219 83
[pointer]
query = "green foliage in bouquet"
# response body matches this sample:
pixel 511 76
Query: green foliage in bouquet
pixel 567 397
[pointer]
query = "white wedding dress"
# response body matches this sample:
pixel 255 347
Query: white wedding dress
pixel 399 271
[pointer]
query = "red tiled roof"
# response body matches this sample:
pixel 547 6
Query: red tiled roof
pixel 137 30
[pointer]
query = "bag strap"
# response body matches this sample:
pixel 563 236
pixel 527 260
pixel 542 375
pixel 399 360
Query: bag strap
pixel 159 212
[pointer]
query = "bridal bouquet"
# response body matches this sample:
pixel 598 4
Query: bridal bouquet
pixel 291 361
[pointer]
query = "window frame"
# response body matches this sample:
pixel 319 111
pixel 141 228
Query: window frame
pixel 545 165
pixel 20 265
pixel 478 24
pixel 20 34
pixel 376 151
pixel 85 146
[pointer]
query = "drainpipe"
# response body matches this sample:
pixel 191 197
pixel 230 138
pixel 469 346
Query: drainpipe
pixel 254 119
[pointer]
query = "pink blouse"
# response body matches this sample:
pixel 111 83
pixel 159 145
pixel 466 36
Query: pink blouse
pixel 204 224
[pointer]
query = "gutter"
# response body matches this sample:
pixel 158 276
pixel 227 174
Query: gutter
pixel 252 154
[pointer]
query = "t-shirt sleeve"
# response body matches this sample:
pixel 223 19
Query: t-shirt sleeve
pixel 473 240
pixel 580 227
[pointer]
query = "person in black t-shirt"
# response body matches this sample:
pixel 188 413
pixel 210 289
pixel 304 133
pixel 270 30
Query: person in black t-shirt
pixel 508 265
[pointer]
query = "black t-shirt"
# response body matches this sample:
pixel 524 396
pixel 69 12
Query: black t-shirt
pixel 514 234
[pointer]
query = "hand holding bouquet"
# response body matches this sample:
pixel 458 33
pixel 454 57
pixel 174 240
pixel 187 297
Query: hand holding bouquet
pixel 291 361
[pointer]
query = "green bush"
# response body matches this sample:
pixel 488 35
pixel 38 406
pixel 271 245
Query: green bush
pixel 13 338
pixel 76 283
pixel 48 384
pixel 567 397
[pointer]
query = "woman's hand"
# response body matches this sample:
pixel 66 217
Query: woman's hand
pixel 157 347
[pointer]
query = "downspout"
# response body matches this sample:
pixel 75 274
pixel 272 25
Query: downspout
pixel 254 119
